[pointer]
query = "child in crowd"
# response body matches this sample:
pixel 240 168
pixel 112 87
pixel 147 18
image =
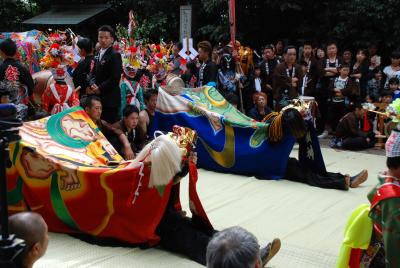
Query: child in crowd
pixel 374 86
pixel 344 90
pixel 386 97
pixel 394 87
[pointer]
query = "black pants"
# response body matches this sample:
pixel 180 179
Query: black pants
pixel 184 236
pixel 296 172
pixel 356 143
pixel 110 114
pixel 323 108
pixel 336 111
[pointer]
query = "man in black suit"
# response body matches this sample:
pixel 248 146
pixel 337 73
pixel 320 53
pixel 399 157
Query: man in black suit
pixel 267 66
pixel 106 75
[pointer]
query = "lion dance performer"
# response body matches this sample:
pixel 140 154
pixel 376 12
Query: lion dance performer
pixel 131 91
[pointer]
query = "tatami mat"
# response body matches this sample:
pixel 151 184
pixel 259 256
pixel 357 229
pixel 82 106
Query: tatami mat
pixel 308 220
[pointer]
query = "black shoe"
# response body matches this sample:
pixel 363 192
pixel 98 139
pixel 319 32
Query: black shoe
pixel 266 253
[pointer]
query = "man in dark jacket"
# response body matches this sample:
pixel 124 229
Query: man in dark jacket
pixel 349 134
pixel 286 79
pixel 208 71
pixel 106 75
pixel 267 67
pixel 13 71
pixel 85 65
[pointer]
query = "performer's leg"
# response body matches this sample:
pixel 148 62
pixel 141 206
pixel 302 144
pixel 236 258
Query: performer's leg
pixel 179 235
pixel 357 143
pixel 299 173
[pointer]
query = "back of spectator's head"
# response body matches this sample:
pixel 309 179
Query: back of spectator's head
pixel 232 248
pixel 85 44
pixel 8 47
pixel 394 81
pixel 30 227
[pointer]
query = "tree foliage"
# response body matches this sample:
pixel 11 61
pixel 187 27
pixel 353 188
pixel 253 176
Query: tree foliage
pixel 354 23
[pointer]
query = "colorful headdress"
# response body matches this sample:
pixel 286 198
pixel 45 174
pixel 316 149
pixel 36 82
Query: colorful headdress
pixel 392 145
pixel 158 64
pixel 57 55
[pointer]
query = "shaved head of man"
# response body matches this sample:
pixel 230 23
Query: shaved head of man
pixel 30 227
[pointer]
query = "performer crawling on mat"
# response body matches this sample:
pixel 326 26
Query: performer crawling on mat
pixel 190 236
pixel 310 167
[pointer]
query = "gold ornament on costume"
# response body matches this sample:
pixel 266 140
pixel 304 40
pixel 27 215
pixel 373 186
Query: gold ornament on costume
pixel 185 138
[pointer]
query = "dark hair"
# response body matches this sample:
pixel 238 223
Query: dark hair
pixel 372 97
pixel 355 105
pixel 8 47
pixel 206 46
pixel 393 162
pixel 88 101
pixel 179 45
pixel 107 28
pixel 191 66
pixel 344 65
pixel 376 70
pixel 330 43
pixel 394 81
pixel 85 44
pixel 150 93
pixel 271 47
pixel 307 43
pixel 363 51
pixel 129 109
pixel 386 93
pixel 395 55
pixel 294 122
pixel 285 50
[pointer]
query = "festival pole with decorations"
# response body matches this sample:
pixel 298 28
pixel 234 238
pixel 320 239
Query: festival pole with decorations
pixel 235 52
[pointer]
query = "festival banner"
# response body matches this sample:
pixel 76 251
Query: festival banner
pixel 229 141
